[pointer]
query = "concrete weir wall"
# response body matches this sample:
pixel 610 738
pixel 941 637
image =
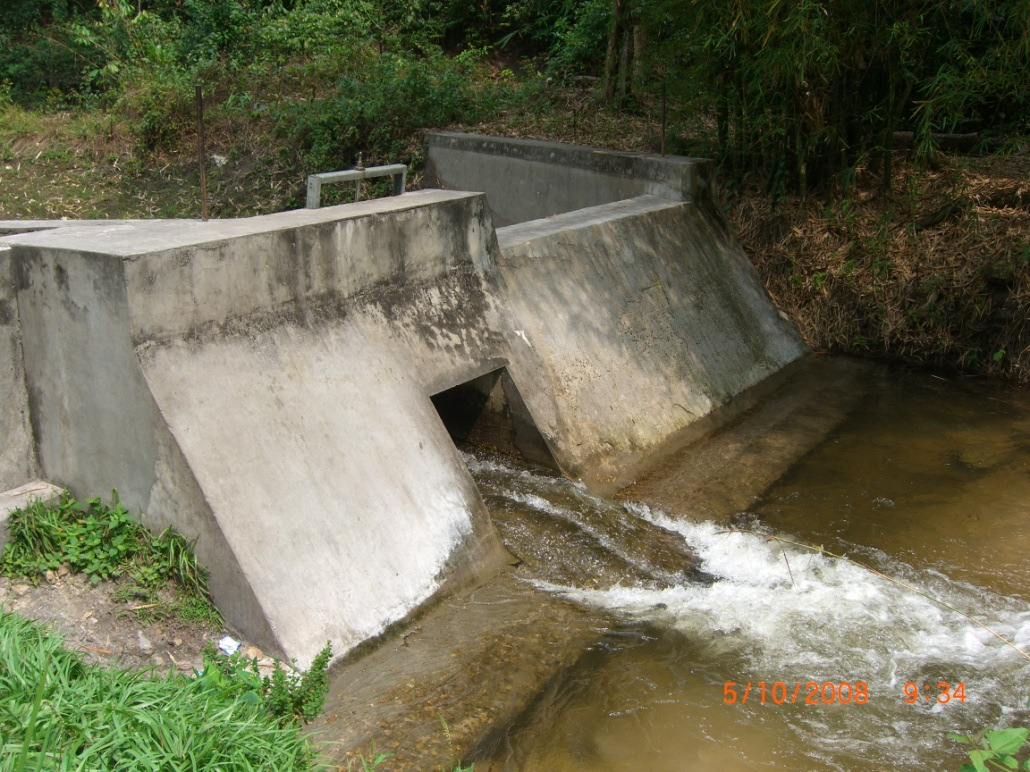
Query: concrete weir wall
pixel 264 384
pixel 526 179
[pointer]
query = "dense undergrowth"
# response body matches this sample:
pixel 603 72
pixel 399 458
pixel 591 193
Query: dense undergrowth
pixel 933 272
pixel 915 254
pixel 287 90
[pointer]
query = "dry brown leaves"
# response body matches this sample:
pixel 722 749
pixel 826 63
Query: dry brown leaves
pixel 934 272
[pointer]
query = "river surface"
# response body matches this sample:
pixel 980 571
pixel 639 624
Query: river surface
pixel 927 482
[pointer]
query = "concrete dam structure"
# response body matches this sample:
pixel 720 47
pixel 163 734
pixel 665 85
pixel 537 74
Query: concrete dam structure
pixel 284 388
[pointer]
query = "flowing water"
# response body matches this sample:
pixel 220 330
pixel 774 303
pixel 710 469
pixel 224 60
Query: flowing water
pixel 927 482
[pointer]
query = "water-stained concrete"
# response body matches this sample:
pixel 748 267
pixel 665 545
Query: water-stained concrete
pixel 265 384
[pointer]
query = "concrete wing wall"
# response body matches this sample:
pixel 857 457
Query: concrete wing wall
pixel 628 322
pixel 96 425
pixel 527 179
pixel 264 385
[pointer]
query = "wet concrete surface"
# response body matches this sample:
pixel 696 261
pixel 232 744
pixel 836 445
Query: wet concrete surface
pixel 437 686
pixel 445 686
pixel 751 444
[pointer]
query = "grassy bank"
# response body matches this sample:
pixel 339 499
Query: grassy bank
pixel 58 713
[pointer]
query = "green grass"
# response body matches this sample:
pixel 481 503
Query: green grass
pixel 105 542
pixel 57 713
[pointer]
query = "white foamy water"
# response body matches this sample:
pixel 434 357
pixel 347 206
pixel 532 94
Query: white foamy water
pixel 795 615
pixel 792 606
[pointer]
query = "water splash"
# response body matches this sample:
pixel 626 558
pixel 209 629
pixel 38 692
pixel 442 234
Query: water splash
pixel 798 616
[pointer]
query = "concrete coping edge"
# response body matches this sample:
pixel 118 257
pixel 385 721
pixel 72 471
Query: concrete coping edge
pixel 134 238
pixel 671 169
pixel 524 232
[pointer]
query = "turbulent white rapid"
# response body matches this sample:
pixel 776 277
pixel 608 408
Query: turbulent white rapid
pixel 745 608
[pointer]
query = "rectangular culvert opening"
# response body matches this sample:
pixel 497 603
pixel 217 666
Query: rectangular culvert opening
pixel 488 413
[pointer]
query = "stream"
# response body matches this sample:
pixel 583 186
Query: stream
pixel 743 642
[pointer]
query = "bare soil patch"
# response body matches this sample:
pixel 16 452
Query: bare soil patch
pixel 112 633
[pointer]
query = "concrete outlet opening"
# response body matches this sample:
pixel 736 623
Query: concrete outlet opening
pixel 488 412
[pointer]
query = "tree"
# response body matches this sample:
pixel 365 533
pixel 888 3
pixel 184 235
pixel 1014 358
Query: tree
pixel 803 92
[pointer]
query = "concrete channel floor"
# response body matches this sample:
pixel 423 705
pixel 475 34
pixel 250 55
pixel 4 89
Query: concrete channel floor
pixel 444 686
pixel 453 677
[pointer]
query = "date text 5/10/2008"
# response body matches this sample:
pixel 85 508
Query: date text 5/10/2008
pixel 829 692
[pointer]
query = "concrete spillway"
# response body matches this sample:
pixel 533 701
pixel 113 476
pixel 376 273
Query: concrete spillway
pixel 265 384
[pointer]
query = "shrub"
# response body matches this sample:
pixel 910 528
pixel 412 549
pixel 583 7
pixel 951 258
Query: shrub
pixel 376 109
pixel 288 698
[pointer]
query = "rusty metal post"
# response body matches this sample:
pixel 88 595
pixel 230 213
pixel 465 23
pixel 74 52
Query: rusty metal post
pixel 201 153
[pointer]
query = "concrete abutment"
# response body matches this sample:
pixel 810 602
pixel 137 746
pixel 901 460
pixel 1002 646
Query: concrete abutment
pixel 266 385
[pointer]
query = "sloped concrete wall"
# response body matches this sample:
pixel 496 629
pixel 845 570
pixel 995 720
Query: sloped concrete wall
pixel 264 385
pixel 630 321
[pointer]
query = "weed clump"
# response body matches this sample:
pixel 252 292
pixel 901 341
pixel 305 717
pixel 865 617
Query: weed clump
pixel 288 698
pixel 106 542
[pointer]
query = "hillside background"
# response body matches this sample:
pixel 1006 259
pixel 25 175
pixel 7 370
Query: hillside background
pixel 873 154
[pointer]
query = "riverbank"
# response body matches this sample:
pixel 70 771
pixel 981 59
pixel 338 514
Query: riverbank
pixel 933 272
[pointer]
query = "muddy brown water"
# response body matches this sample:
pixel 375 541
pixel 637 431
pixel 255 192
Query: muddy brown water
pixel 927 481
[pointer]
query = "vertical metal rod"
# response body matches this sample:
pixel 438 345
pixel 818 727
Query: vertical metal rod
pixel 357 183
pixel 663 118
pixel 314 192
pixel 201 153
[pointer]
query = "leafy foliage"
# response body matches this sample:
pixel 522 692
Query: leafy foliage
pixel 993 749
pixel 800 93
pixel 376 109
pixel 806 92
pixel 300 698
pixel 580 38
pixel 103 542
pixel 290 699
pixel 59 713
pixel 333 77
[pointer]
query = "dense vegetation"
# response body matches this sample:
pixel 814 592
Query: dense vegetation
pixel 59 713
pixel 828 119
pixel 802 93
